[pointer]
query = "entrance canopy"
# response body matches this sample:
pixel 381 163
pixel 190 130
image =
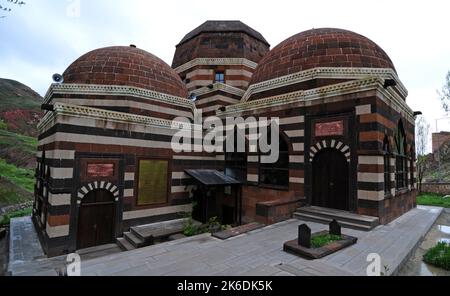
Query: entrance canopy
pixel 212 177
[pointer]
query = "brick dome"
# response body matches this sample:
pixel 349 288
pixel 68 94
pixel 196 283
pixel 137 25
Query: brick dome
pixel 221 39
pixel 122 65
pixel 326 47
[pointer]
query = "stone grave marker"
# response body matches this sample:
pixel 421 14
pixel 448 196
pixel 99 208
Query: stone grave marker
pixel 304 236
pixel 335 228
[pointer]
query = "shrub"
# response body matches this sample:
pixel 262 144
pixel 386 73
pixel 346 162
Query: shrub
pixel 21 213
pixel 438 255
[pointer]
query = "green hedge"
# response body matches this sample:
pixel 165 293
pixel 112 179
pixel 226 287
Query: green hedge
pixel 439 255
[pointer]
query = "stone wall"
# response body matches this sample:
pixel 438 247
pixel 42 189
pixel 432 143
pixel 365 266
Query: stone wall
pixel 440 188
pixel 439 139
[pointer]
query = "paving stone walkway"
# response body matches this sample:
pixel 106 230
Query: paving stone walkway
pixel 24 243
pixel 259 252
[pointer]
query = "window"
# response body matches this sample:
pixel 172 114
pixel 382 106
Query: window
pixel 401 172
pixel 235 161
pixel 152 184
pixel 219 77
pixel 276 174
pixel 387 169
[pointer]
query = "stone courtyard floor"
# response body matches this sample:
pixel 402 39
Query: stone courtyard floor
pixel 260 252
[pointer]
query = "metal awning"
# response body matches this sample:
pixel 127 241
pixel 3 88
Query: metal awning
pixel 212 177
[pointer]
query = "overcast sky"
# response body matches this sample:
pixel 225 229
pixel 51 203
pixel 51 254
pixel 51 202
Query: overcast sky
pixel 44 37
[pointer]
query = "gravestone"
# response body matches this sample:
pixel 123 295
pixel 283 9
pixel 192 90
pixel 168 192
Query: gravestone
pixel 335 228
pixel 304 236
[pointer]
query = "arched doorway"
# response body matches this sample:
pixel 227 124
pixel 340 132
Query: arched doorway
pixel 330 180
pixel 96 219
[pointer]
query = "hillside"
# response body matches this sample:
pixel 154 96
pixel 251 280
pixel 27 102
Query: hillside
pixel 19 107
pixel 19 114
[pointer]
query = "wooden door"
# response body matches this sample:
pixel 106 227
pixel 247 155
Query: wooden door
pixel 96 219
pixel 330 180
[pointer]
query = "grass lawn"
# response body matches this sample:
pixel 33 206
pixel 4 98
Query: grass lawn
pixel 23 178
pixel 21 213
pixel 433 199
pixel 439 255
pixel 318 241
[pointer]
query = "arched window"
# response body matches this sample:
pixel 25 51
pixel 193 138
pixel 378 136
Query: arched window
pixel 401 172
pixel 387 166
pixel 276 174
pixel 235 161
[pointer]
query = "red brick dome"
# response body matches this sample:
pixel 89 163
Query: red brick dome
pixel 123 65
pixel 326 47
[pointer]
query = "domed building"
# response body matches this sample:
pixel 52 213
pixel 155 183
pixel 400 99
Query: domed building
pixel 105 144
pixel 107 164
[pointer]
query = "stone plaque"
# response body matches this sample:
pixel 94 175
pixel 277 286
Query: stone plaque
pixel 335 228
pixel 332 128
pixel 100 169
pixel 152 186
pixel 304 236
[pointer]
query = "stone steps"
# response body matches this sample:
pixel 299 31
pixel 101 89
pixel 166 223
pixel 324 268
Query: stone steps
pixel 124 244
pixel 345 219
pixel 146 235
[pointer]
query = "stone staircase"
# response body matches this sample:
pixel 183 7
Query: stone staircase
pixel 146 235
pixel 345 219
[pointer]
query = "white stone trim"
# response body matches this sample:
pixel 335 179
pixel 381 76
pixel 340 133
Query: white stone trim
pixel 296 180
pixel 117 90
pixel 215 62
pixel 219 86
pixel 371 177
pixel 325 94
pixel 57 231
pixel 363 109
pixel 298 147
pixel 127 192
pixel 57 154
pixel 371 195
pixel 313 150
pixel 180 175
pixel 214 98
pixel 296 159
pixel 156 212
pixel 102 114
pixel 252 178
pixel 61 173
pixel 325 73
pixel 295 133
pixel 83 191
pixel 129 177
pixel 59 199
pixel 371 159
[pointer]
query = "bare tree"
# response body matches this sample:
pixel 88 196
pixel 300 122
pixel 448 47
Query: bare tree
pixel 422 164
pixel 5 6
pixel 444 94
